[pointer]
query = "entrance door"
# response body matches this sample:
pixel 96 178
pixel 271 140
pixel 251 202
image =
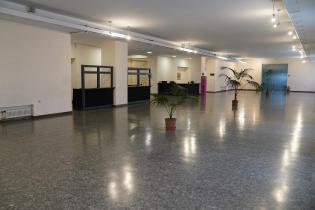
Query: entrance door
pixel 275 76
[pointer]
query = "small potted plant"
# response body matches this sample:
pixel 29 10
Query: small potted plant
pixel 170 102
pixel 236 79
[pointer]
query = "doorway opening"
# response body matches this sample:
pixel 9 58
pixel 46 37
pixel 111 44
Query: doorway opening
pixel 275 77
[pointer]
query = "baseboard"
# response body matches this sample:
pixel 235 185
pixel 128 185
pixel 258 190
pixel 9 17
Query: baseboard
pixel 248 90
pixel 298 91
pixel 52 115
pixel 120 105
pixel 138 102
pixel 292 91
pixel 221 91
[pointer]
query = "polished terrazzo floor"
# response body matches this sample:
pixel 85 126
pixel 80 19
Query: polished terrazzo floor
pixel 261 156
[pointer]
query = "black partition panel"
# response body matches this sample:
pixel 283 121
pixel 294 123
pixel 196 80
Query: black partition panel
pixel 91 98
pixel 139 92
pixel 192 88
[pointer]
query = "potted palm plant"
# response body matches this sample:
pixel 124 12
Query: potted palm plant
pixel 236 80
pixel 176 96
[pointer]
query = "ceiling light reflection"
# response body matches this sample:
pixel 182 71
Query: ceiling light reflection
pixel 148 139
pixel 288 159
pixel 189 148
pixel 112 188
pixel 241 119
pixel 222 125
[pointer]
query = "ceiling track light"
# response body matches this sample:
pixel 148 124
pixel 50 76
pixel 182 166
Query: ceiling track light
pixel 294 48
pixel 110 27
pixel 128 37
pixel 278 23
pixel 290 33
pixel 273 18
pixel 222 57
pixel 31 9
pixel 188 50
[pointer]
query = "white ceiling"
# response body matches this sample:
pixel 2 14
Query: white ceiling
pixel 236 27
pixel 302 13
pixel 134 48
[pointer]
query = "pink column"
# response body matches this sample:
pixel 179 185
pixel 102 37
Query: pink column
pixel 203 84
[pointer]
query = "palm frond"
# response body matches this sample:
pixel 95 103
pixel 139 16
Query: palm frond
pixel 255 84
pixel 244 73
pixel 235 73
pixel 234 83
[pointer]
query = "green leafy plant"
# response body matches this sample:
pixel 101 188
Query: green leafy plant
pixel 169 104
pixel 174 98
pixel 237 79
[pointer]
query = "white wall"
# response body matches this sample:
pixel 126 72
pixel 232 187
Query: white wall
pixel 301 75
pixel 167 68
pixel 115 53
pixel 184 75
pixel 35 68
pixel 213 66
pixel 84 55
pixel 152 64
pixel 195 69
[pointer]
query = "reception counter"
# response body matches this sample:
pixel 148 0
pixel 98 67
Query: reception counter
pixel 192 89
pixel 138 93
pixel 84 99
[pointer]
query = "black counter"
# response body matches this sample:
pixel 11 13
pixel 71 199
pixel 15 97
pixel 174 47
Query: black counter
pixel 138 93
pixel 192 89
pixel 92 98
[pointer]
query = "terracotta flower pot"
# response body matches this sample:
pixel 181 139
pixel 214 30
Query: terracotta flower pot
pixel 234 103
pixel 170 123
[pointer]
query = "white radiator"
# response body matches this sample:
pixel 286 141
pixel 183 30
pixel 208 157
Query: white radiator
pixel 16 112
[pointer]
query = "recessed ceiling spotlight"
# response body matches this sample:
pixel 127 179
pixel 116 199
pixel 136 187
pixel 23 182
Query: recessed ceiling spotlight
pixel 294 48
pixel 128 37
pixel 304 61
pixel 294 37
pixel 173 56
pixel 275 25
pixel 149 52
pixel 290 33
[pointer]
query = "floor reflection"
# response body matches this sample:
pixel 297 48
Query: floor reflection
pixel 259 156
pixel 121 183
pixel 288 160
pixel 189 148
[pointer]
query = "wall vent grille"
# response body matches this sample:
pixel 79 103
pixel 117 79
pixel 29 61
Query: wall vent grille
pixel 16 112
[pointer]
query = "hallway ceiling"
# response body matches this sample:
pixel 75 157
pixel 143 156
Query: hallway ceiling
pixel 302 13
pixel 240 28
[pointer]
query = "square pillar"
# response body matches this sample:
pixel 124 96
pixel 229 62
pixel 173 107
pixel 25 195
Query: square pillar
pixel 115 53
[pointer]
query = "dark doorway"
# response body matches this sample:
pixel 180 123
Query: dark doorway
pixel 275 76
